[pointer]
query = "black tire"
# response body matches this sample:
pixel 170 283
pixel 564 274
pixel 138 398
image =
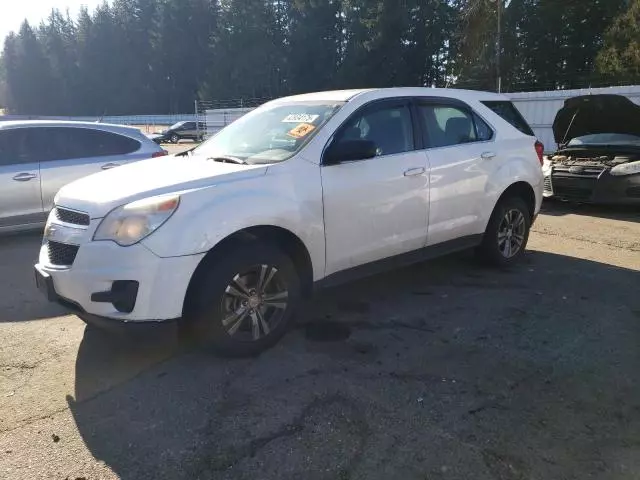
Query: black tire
pixel 494 250
pixel 212 304
pixel 175 138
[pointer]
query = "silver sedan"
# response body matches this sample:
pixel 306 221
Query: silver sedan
pixel 37 158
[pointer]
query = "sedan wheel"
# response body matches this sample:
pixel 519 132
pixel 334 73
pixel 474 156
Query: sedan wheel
pixel 175 138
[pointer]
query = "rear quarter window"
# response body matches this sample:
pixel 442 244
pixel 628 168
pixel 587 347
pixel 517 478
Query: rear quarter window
pixel 508 112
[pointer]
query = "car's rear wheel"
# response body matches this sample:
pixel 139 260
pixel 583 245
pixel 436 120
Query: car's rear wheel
pixel 507 233
pixel 244 303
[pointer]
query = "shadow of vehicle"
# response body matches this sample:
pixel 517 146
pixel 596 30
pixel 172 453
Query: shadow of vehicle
pixel 560 208
pixel 21 300
pixel 443 367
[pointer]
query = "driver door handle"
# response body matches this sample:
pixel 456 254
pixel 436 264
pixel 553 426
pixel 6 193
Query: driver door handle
pixel 488 155
pixel 24 177
pixel 412 172
pixel 108 166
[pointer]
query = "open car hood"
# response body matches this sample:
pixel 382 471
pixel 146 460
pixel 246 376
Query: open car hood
pixel 591 114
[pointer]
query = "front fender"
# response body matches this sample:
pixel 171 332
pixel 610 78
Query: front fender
pixel 207 217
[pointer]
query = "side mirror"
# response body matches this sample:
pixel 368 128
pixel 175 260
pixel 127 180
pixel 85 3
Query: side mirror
pixel 350 150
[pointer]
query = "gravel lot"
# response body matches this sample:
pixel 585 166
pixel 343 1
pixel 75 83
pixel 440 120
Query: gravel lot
pixel 441 370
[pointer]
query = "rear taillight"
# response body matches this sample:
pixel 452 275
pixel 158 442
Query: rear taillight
pixel 161 153
pixel 540 151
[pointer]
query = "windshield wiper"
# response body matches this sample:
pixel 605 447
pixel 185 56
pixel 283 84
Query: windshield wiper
pixel 186 153
pixel 228 159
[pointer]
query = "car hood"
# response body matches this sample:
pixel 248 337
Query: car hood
pixel 591 114
pixel 100 193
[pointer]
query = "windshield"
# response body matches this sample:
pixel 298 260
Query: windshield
pixel 176 125
pixel 271 134
pixel 605 139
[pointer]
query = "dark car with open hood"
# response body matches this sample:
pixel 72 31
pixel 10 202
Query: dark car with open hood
pixel 598 156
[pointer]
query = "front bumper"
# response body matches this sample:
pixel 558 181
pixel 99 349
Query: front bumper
pixel 601 189
pixel 44 283
pixel 88 286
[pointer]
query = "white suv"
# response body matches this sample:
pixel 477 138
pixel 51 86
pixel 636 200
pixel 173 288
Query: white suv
pixel 304 191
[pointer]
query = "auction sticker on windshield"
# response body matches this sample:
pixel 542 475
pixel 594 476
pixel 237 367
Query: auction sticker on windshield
pixel 302 130
pixel 300 118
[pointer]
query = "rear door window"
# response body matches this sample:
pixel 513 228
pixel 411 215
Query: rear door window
pixel 510 113
pixel 87 143
pixel 447 125
pixel 13 147
pixel 47 144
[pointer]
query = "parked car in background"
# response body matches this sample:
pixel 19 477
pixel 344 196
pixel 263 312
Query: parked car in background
pixel 307 190
pixel 37 158
pixel 181 131
pixel 598 156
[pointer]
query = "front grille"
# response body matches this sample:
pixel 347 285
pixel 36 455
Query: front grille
pixel 573 187
pixel 633 192
pixel 572 192
pixel 61 254
pixel 70 216
pixel 579 171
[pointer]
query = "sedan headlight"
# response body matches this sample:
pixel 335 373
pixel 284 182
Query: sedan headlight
pixel 626 169
pixel 131 223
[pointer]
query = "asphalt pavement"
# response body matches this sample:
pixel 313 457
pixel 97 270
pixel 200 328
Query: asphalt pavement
pixel 445 369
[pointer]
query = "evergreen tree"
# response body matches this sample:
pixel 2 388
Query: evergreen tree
pixel 314 44
pixel 58 39
pixel 185 34
pixel 619 59
pixel 29 73
pixel 158 56
pixel 249 57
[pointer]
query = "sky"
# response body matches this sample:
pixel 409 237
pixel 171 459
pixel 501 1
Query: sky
pixel 35 10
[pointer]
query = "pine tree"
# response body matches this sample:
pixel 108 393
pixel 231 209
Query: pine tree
pixel 58 39
pixel 186 31
pixel 28 73
pixel 249 59
pixel 314 43
pixel 619 59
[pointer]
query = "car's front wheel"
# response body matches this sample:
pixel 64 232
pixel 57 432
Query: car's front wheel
pixel 507 233
pixel 174 138
pixel 244 301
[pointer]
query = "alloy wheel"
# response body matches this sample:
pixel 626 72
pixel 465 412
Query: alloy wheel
pixel 511 233
pixel 254 303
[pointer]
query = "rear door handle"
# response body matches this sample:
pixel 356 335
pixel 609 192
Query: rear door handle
pixel 412 172
pixel 108 166
pixel 488 155
pixel 24 177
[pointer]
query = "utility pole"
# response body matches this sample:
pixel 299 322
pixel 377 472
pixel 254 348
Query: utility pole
pixel 499 46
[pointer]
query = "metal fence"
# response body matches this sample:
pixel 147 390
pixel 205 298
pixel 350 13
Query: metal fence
pixel 538 108
pixel 213 116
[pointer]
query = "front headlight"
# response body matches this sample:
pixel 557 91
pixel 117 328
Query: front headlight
pixel 131 223
pixel 626 169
